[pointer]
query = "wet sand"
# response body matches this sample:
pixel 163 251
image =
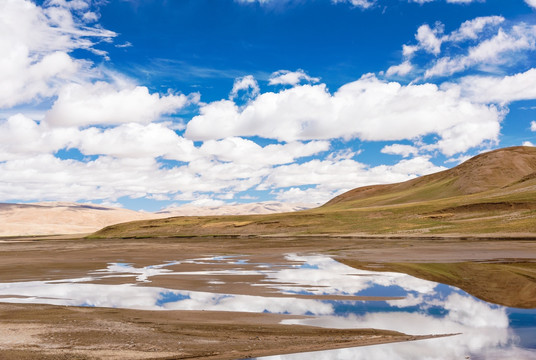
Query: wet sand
pixel 56 332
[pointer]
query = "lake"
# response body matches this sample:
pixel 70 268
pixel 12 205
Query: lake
pixel 318 289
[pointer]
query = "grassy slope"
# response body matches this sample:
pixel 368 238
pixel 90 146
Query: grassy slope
pixel 493 193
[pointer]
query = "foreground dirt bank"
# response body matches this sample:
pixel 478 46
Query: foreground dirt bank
pixel 52 332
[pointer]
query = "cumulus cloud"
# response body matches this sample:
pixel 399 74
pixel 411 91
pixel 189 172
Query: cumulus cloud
pixel 448 1
pixel 402 69
pixel 35 43
pixel 498 89
pixel 368 109
pixel 247 84
pixel 125 149
pixel 496 50
pixel 364 4
pixel 429 38
pixel 531 3
pixel 533 126
pixel 136 141
pixel 285 77
pixel 347 174
pixel 46 177
pixel 471 29
pixel 22 137
pixel 399 149
pixel 239 150
pixel 106 103
pixel 495 45
pixel 328 178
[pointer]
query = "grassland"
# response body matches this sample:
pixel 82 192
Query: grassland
pixel 492 194
pixel 495 212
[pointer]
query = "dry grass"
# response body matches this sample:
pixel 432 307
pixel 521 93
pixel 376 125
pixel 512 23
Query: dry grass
pixel 493 193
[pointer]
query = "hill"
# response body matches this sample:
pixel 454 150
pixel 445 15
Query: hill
pixel 51 218
pixel 488 171
pixel 492 193
pixel 48 218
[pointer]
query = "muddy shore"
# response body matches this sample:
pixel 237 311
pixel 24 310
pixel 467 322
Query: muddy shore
pixel 55 332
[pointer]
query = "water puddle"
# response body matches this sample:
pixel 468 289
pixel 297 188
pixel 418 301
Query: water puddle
pixel 326 292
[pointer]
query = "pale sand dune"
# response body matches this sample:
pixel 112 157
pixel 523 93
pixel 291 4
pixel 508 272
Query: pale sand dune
pixel 49 218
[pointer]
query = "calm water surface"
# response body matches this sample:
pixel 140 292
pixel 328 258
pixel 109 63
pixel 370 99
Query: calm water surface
pixel 410 305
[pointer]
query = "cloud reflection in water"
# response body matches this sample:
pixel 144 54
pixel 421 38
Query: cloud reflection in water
pixel 424 308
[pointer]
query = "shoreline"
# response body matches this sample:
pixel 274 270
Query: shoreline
pixel 55 332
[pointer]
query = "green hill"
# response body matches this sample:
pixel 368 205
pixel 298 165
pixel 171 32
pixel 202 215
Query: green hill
pixel 492 193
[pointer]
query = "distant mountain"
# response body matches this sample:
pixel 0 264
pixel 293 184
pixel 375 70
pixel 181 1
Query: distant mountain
pixel 267 207
pixel 490 194
pixel 47 218
pixel 61 218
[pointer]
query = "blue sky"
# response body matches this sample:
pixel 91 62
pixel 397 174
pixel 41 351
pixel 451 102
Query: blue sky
pixel 148 104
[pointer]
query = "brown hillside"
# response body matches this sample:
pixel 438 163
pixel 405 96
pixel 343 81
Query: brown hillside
pixel 487 171
pixel 493 194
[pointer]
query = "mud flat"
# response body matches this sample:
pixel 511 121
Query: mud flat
pixel 38 331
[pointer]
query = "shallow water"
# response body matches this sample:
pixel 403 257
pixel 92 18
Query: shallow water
pixel 410 305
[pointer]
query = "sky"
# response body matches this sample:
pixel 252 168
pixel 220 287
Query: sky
pixel 149 104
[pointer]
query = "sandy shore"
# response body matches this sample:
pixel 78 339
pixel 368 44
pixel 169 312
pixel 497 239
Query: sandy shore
pixel 54 332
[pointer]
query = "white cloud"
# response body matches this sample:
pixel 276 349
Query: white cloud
pixel 206 202
pixel 448 1
pixel 346 174
pixel 496 50
pixel 409 50
pixel 428 38
pixel 463 1
pixel 402 69
pixel 45 177
pixel 399 149
pixel 533 126
pixel 330 178
pixel 317 195
pixel 431 40
pixel 105 103
pixel 471 29
pixel 247 84
pixel 496 89
pixel 364 4
pixel 35 42
pixel 126 44
pixel 253 1
pixel 527 143
pixel 216 169
pixel 531 3
pixel 368 109
pixel 21 137
pixel 285 77
pixel 132 154
pixel 239 150
pixel 136 141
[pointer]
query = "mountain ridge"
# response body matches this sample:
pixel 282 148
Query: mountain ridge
pixel 491 193
pixel 56 217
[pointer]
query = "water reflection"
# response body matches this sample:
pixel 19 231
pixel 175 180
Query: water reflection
pixel 409 305
pixel 448 348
